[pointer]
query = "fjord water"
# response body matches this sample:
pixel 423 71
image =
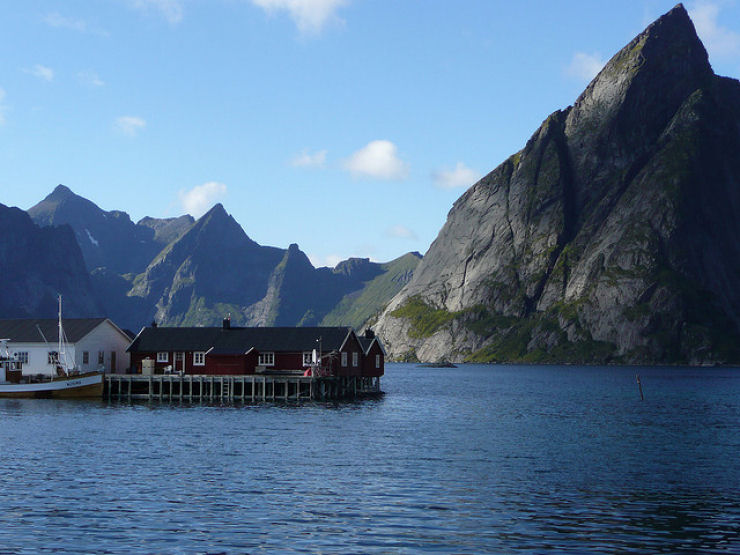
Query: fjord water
pixel 463 460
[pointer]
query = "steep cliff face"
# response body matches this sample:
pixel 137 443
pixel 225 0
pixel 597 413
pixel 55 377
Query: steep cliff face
pixel 612 236
pixel 39 264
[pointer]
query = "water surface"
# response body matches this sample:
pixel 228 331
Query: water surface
pixel 467 460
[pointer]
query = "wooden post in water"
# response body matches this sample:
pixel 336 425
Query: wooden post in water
pixel 639 385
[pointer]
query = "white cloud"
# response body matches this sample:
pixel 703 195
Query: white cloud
pixel 130 125
pixel 401 232
pixel 42 72
pixel 198 200
pixel 328 261
pixel 57 20
pixel 461 176
pixel 2 106
pixel 310 160
pixel 719 41
pixel 310 16
pixel 585 66
pixel 170 10
pixel 90 78
pixel 378 159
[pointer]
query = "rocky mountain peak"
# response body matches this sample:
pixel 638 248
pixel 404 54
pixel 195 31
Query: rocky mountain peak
pixel 653 73
pixel 218 227
pixel 60 192
pixel 604 237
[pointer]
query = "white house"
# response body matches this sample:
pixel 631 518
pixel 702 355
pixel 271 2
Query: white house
pixel 91 344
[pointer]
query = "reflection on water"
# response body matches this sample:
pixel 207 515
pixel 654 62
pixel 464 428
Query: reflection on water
pixel 467 460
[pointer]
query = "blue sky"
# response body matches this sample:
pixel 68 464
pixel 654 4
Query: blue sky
pixel 347 126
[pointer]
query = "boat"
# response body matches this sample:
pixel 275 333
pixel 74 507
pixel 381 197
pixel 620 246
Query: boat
pixel 68 383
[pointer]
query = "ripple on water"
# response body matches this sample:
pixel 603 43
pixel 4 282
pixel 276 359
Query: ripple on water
pixel 467 460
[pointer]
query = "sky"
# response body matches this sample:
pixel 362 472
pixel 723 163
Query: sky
pixel 349 127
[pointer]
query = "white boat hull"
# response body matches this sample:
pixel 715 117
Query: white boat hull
pixel 84 386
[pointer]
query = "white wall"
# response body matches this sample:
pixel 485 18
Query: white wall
pixel 108 339
pixel 105 338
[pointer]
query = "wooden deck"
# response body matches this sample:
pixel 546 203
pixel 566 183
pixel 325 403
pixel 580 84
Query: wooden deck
pixel 248 388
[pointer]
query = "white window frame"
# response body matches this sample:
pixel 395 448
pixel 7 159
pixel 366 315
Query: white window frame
pixel 355 359
pixel 344 360
pixel 85 357
pixel 163 356
pixel 266 359
pixel 101 357
pixel 22 356
pixel 52 357
pixel 307 358
pixel 377 361
pixel 199 358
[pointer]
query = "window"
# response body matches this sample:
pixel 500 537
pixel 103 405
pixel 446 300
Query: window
pixel 22 357
pixel 355 359
pixel 163 356
pixel 307 358
pixel 377 361
pixel 344 360
pixel 85 357
pixel 52 357
pixel 199 358
pixel 101 357
pixel 266 359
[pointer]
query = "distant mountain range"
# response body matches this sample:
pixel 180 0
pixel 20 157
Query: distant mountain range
pixel 177 271
pixel 612 236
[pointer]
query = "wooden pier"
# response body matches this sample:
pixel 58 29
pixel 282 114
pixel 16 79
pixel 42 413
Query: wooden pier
pixel 248 388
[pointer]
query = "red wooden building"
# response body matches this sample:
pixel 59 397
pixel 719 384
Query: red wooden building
pixel 236 350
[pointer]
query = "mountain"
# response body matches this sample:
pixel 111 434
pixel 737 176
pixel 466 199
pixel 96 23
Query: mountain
pixel 612 236
pixel 179 271
pixel 215 269
pixel 39 264
pixel 362 306
pixel 351 294
pixel 167 230
pixel 108 240
pixel 212 269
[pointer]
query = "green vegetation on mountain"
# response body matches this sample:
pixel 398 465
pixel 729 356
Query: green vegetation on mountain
pixel 362 307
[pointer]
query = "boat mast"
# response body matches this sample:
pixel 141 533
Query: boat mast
pixel 59 350
pixel 62 355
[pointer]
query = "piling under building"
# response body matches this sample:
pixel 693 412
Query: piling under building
pixel 237 388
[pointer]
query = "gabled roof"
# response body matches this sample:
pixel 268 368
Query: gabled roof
pixel 27 330
pixel 367 344
pixel 236 340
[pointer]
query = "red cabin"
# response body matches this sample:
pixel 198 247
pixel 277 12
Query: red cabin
pixel 237 350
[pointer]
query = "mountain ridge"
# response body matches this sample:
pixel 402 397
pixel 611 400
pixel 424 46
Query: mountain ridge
pixel 182 271
pixel 582 247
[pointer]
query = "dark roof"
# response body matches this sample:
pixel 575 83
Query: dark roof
pixel 367 342
pixel 239 340
pixel 27 330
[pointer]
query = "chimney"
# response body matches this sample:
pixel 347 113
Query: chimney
pixel 369 334
pixel 154 323
pixel 226 323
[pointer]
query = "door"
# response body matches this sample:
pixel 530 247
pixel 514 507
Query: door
pixel 112 361
pixel 179 362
